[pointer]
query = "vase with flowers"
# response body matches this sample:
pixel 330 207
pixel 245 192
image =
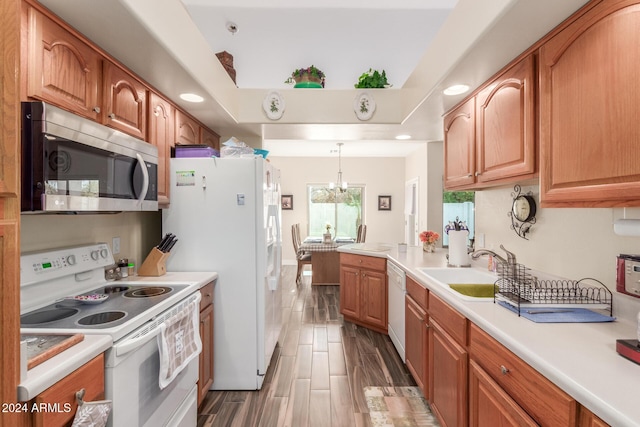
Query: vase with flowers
pixel 429 239
pixel 326 237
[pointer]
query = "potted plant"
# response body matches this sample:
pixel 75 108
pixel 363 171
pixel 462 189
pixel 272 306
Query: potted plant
pixel 372 79
pixel 310 77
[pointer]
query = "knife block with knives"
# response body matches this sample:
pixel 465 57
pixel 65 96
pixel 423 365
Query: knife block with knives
pixel 156 262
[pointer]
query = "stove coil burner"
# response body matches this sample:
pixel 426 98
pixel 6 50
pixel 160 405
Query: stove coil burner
pixel 101 318
pixel 148 292
pixel 47 316
pixel 115 289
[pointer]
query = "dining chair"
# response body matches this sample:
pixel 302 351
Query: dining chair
pixel 301 256
pixel 362 233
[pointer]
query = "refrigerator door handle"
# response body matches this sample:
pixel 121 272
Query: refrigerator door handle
pixel 274 278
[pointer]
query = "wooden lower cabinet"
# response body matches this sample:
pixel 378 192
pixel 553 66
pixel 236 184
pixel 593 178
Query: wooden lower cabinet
pixel 416 343
pixel 490 405
pixel 545 403
pixel 363 291
pixel 89 377
pixel 416 347
pixel 448 362
pixel 588 419
pixel 205 374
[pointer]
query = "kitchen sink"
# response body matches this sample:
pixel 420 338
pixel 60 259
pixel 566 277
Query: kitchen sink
pixel 469 284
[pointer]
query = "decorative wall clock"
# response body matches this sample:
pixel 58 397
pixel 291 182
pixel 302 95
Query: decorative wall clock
pixel 523 212
pixel 273 105
pixel 364 106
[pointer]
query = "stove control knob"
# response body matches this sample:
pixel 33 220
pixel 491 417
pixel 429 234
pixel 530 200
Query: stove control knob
pixel 71 260
pixel 104 253
pixel 94 255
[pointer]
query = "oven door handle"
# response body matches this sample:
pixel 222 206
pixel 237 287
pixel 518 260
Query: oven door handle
pixel 134 343
pixel 145 178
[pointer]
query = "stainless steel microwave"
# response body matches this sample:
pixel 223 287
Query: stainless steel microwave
pixel 72 164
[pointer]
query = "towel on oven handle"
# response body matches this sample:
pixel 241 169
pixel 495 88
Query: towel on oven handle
pixel 179 343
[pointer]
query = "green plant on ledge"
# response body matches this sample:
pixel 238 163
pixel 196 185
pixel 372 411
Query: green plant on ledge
pixel 307 77
pixel 372 79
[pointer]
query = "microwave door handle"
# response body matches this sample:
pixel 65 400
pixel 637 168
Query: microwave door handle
pixel 145 178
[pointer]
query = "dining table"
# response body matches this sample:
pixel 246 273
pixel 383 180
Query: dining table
pixel 325 259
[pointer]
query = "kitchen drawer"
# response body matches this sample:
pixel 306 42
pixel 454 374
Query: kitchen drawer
pixel 361 261
pixel 89 377
pixel 543 400
pixel 419 293
pixel 207 295
pixel 453 322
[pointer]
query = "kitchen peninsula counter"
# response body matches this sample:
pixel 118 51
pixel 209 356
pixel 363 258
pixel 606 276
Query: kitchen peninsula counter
pixel 580 358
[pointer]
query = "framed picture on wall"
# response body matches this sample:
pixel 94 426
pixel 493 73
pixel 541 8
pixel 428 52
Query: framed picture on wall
pixel 384 203
pixel 287 202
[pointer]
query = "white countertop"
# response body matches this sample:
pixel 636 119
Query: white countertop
pixel 43 376
pixel 49 372
pixel 199 277
pixel 580 358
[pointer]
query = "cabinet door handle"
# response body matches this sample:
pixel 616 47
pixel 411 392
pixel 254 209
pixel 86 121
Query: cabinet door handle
pixel 470 175
pixel 112 116
pixel 478 174
pixel 504 370
pixel 96 110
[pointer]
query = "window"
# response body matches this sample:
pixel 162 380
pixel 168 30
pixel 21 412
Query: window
pixel 342 209
pixel 460 204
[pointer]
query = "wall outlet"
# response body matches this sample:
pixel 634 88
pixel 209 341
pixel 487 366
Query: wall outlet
pixel 479 243
pixel 115 246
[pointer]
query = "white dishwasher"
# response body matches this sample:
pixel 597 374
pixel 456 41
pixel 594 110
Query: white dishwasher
pixel 397 292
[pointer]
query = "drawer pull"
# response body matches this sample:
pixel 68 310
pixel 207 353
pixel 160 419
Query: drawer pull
pixel 504 370
pixel 79 396
pixel 207 295
pixel 112 116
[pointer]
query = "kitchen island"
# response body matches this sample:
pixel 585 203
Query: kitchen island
pixel 580 358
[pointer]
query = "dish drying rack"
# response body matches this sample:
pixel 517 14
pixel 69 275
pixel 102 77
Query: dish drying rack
pixel 517 287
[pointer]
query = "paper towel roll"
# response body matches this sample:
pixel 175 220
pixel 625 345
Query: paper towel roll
pixel 627 227
pixel 458 256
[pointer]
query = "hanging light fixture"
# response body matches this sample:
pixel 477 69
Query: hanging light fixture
pixel 340 185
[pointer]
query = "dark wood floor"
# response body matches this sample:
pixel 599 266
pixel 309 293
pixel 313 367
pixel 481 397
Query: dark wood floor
pixel 318 371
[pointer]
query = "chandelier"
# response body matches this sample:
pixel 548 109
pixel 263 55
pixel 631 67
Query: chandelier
pixel 340 185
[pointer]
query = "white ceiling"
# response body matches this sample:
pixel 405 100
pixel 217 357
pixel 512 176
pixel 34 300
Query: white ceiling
pixel 160 41
pixel 342 38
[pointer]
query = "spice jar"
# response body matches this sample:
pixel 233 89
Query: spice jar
pixel 132 268
pixel 124 267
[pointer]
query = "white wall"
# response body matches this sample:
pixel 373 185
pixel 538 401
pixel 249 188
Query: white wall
pixel 381 176
pixel 570 242
pixel 428 166
pixel 138 232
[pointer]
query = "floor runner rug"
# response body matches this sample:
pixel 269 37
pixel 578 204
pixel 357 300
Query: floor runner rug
pixel 398 407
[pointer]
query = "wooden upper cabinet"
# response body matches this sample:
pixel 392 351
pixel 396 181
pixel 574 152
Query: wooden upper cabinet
pixel 61 69
pixel 161 134
pixel 589 109
pixel 187 130
pixel 125 102
pixel 210 138
pixel 459 146
pixel 505 125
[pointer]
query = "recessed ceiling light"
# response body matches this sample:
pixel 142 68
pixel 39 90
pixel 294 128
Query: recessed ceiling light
pixel 456 89
pixel 403 137
pixel 191 97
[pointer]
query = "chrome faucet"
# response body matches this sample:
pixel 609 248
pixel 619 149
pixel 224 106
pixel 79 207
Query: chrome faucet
pixel 510 261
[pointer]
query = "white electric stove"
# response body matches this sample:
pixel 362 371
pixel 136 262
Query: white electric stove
pixel 64 291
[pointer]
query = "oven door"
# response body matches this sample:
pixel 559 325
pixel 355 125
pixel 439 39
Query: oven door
pixel 132 370
pixel 131 383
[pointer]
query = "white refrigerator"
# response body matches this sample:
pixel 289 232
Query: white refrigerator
pixel 226 215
